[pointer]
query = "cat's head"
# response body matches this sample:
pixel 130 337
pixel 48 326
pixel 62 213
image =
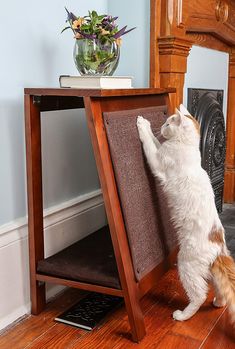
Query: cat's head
pixel 181 125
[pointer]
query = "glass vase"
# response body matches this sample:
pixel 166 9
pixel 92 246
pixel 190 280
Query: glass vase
pixel 91 57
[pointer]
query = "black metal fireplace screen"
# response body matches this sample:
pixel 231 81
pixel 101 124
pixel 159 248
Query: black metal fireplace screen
pixel 207 107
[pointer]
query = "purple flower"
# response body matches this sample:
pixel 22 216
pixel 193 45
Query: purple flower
pixel 71 16
pixel 94 26
pixel 122 31
pixel 88 36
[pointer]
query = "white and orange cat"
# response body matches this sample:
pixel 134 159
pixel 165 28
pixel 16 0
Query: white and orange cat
pixel 203 255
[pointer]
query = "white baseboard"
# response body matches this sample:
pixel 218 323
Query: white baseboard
pixel 63 225
pixel 14 316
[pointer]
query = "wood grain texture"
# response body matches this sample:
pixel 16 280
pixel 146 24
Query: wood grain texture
pixel 229 192
pixel 208 329
pixel 154 79
pixel 173 53
pixel 59 337
pixel 173 341
pixel 211 17
pixel 209 41
pixel 229 185
pixel 80 285
pixel 35 203
pixel 96 92
pixel 222 336
pixel 33 327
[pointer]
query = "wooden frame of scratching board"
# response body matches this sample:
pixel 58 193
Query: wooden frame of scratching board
pixel 95 102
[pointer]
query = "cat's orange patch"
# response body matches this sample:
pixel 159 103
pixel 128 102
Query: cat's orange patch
pixel 223 270
pixel 217 236
pixel 196 123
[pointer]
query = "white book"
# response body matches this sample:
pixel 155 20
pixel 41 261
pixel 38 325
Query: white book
pixel 93 82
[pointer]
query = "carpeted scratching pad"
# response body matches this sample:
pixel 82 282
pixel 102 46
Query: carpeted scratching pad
pixel 150 233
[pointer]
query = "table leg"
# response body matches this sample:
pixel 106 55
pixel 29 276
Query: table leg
pixel 35 203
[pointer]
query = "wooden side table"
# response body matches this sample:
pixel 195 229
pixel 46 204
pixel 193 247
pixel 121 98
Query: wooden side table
pixel 95 102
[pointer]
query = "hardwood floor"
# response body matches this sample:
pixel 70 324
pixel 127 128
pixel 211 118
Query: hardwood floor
pixel 208 329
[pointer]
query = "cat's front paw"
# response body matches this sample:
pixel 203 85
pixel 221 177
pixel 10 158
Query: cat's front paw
pixel 178 315
pixel 142 122
pixel 143 126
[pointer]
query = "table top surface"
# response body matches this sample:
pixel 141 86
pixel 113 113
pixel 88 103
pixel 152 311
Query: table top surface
pixel 96 92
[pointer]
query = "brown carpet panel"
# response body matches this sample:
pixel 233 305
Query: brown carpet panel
pixel 150 232
pixel 88 260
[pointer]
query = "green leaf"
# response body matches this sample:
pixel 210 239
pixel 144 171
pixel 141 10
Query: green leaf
pixel 85 26
pixel 94 14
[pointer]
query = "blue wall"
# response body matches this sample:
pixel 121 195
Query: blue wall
pixel 134 59
pixel 35 54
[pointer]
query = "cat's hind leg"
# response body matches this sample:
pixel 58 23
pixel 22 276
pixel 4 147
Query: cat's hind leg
pixel 196 288
pixel 218 300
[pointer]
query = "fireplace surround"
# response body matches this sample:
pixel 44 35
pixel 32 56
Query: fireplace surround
pixel 177 25
pixel 207 107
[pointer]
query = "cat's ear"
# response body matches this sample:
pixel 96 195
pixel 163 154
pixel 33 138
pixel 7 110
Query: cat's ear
pixel 184 110
pixel 179 116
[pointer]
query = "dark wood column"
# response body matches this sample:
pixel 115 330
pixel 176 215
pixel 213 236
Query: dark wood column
pixel 229 188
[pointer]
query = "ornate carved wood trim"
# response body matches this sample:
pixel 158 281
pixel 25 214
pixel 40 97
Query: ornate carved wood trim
pixel 215 16
pixel 209 41
pixel 173 53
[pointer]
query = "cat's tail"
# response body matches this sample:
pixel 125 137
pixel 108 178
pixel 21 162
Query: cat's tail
pixel 223 270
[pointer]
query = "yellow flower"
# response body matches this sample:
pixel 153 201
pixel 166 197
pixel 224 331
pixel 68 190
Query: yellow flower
pixel 78 36
pixel 104 32
pixel 118 41
pixel 77 23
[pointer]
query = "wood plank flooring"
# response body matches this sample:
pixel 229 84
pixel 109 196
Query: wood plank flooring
pixel 208 329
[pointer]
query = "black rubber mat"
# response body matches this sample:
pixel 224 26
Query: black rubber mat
pixel 90 311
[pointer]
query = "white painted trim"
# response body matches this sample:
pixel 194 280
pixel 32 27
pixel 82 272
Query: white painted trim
pixel 68 209
pixel 18 229
pixel 79 216
pixel 14 316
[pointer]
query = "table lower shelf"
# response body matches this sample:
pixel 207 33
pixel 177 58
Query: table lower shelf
pixel 89 261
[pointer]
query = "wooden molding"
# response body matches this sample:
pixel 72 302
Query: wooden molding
pixel 221 11
pixel 173 53
pixel 215 17
pixel 209 41
pixel 229 188
pixel 154 52
pixel 174 45
pixel 230 155
pixel 232 63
